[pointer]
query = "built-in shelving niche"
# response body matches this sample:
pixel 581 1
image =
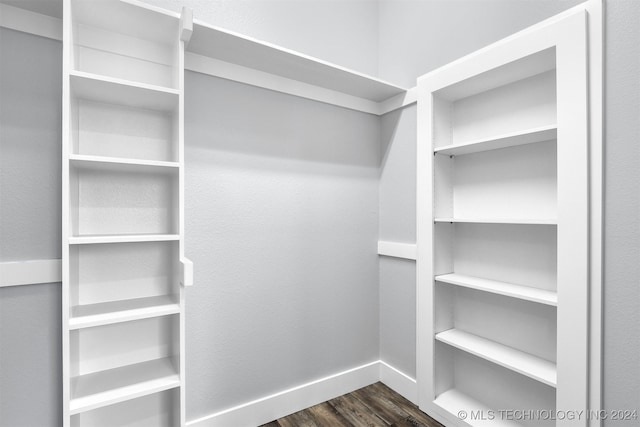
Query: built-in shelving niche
pixel 124 41
pixel 119 282
pixel 152 410
pixel 122 200
pixel 120 361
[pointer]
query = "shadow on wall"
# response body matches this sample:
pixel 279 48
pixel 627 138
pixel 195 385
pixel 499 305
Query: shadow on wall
pixel 253 121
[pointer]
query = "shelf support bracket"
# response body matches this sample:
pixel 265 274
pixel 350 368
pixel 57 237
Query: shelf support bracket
pixel 186 272
pixel 186 25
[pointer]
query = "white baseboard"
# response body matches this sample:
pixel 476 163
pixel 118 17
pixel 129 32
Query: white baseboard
pixel 399 382
pixel 287 402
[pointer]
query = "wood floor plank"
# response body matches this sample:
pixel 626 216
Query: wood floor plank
pixel 298 419
pixel 415 413
pixel 356 412
pixel 382 405
pixel 372 406
pixel 326 415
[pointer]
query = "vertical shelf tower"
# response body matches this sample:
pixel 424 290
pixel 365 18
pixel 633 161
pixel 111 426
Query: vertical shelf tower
pixel 123 224
pixel 503 231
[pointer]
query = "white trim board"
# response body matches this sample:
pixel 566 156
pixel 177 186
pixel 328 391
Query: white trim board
pixel 281 404
pixel 30 272
pixel 51 27
pixel 29 22
pixel 397 250
pixel 399 382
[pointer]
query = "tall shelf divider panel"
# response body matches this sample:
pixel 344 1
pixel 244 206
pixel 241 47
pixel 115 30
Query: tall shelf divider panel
pixel 502 268
pixel 124 269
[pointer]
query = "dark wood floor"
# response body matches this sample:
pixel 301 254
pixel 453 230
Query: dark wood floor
pixel 373 406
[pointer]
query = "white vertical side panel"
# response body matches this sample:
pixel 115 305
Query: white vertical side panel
pixel 424 249
pixel 67 64
pixel 573 208
pixel 183 37
pixel 595 44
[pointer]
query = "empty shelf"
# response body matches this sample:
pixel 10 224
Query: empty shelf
pixel 116 163
pixel 527 293
pixel 455 402
pixel 121 238
pixel 85 316
pixel 510 358
pixel 528 136
pixel 227 46
pixel 104 388
pixel 112 90
pixel 515 221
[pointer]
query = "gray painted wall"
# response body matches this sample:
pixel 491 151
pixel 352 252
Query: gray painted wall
pixel 30 197
pixel 344 32
pixel 418 36
pixel 282 226
pixel 622 209
pixel 31 217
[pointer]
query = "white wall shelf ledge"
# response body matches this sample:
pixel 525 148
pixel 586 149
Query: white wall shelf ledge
pixel 513 221
pixel 112 90
pixel 104 388
pixel 85 316
pixel 121 238
pixel 526 293
pixel 529 136
pixel 507 357
pixel 227 46
pixel 121 164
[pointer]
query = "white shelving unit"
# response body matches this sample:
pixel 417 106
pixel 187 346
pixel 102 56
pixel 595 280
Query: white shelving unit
pixel 123 264
pixel 502 267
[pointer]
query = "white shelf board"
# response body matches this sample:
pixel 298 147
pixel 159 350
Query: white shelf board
pixel 112 90
pixel 85 316
pixel 121 238
pixel 507 357
pixel 454 401
pixel 234 48
pixel 529 136
pixel 526 293
pixel 104 388
pixel 124 164
pixel 514 221
pixel 129 17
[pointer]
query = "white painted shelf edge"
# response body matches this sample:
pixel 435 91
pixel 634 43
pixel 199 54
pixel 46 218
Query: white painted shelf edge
pixel 116 91
pixel 522 292
pixel 507 357
pixel 529 136
pixel 456 402
pixel 85 316
pixel 96 162
pixel 104 388
pixel 514 221
pixel 121 238
pixel 235 48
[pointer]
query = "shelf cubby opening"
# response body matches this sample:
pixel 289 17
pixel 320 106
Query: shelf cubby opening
pixel 522 106
pixel 513 290
pixel 118 121
pixel 510 185
pixel 120 203
pixel 117 362
pixel 161 409
pixel 516 254
pixel 522 326
pixel 117 282
pixel 494 394
pixel 125 41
